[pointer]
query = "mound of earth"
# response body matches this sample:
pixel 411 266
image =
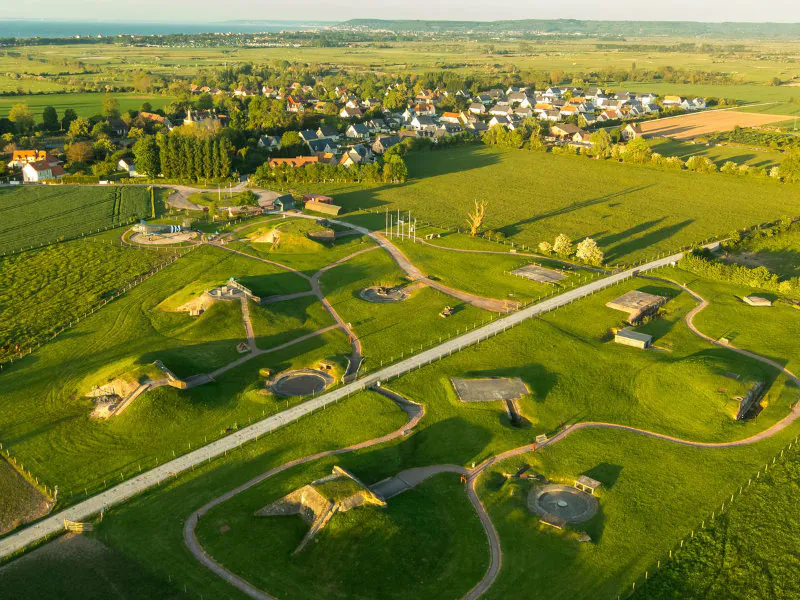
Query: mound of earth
pixel 197 306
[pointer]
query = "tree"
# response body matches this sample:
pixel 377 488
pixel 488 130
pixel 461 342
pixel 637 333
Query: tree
pixel 80 152
pixel 20 115
pixel 545 248
pixel 601 143
pixel 790 167
pixel 563 246
pixel 637 151
pixel 291 143
pixel 476 218
pixel 145 152
pixel 110 108
pixel 50 119
pixel 589 252
pixel 79 128
pixel 69 116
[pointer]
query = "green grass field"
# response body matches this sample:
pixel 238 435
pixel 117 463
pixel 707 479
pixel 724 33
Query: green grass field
pixel 45 289
pixel 633 212
pixel 428 538
pixel 49 387
pixel 31 216
pixel 755 157
pixel 750 552
pixel 85 104
pixel 653 495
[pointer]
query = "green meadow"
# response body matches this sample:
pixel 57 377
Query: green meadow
pixel 633 212
pixel 85 104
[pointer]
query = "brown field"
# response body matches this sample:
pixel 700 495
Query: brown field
pixel 689 126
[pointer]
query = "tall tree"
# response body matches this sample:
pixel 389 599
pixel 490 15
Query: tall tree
pixel 22 118
pixel 110 108
pixel 50 119
pixel 145 152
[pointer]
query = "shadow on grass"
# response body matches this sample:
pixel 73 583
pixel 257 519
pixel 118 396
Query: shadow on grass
pixel 605 473
pixel 650 239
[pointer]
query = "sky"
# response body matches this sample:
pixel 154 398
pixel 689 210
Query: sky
pixel 339 10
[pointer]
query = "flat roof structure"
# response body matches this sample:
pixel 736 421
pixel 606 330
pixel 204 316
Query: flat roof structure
pixel 756 301
pixel 637 304
pixel 540 274
pixel 637 339
pixel 489 389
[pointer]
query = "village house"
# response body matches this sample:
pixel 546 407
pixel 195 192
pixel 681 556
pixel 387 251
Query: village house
pixel 324 146
pixel 423 123
pixel 564 131
pixel 384 142
pixel 350 113
pixel 357 131
pixel 20 158
pixel 476 108
pixel 42 170
pixel 631 132
pixel 127 165
pixel 450 117
pixel 294 105
pixel 328 133
pixel 269 142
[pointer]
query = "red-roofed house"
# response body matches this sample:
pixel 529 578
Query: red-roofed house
pixel 42 170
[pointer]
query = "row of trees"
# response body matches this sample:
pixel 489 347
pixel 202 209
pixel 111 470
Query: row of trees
pixel 587 251
pixel 392 170
pixel 185 157
pixel 703 264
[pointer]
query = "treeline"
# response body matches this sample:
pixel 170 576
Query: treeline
pixel 393 170
pixel 183 157
pixel 702 263
pixel 750 136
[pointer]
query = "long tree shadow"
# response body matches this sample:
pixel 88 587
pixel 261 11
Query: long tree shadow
pixel 514 228
pixel 650 239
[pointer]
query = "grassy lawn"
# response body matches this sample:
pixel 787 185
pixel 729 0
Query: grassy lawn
pixel 773 332
pixel 425 543
pixel 387 330
pixel 35 215
pixel 44 289
pixel 778 253
pixel 491 277
pixel 84 103
pixel 280 322
pixel 148 529
pixel 48 388
pixel 632 212
pixel 755 157
pixel 293 247
pixel 654 494
pixel 750 552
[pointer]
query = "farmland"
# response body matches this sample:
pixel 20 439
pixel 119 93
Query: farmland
pixel 32 216
pixel 85 104
pixel 691 126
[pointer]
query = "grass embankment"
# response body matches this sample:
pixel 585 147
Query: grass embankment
pixel 633 212
pixel 45 289
pixel 287 241
pixel 48 388
pixel 148 530
pixel 752 156
pixel 748 552
pixel 35 215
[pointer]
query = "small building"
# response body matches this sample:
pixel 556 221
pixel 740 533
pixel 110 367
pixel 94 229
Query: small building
pixel 587 484
pixel 632 131
pixel 635 339
pixel 317 198
pixel 756 301
pixel 324 208
pixel 127 165
pixel 284 203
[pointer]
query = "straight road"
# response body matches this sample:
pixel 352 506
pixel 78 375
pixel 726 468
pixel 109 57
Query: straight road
pixel 124 491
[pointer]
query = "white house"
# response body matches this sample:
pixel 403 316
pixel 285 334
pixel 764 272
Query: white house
pixel 357 131
pixel 41 171
pixel 127 165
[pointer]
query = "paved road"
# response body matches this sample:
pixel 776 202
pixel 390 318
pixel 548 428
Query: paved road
pixel 116 495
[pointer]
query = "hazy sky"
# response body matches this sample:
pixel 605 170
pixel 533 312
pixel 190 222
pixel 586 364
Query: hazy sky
pixel 335 10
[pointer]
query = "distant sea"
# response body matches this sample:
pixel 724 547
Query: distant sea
pixel 62 29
